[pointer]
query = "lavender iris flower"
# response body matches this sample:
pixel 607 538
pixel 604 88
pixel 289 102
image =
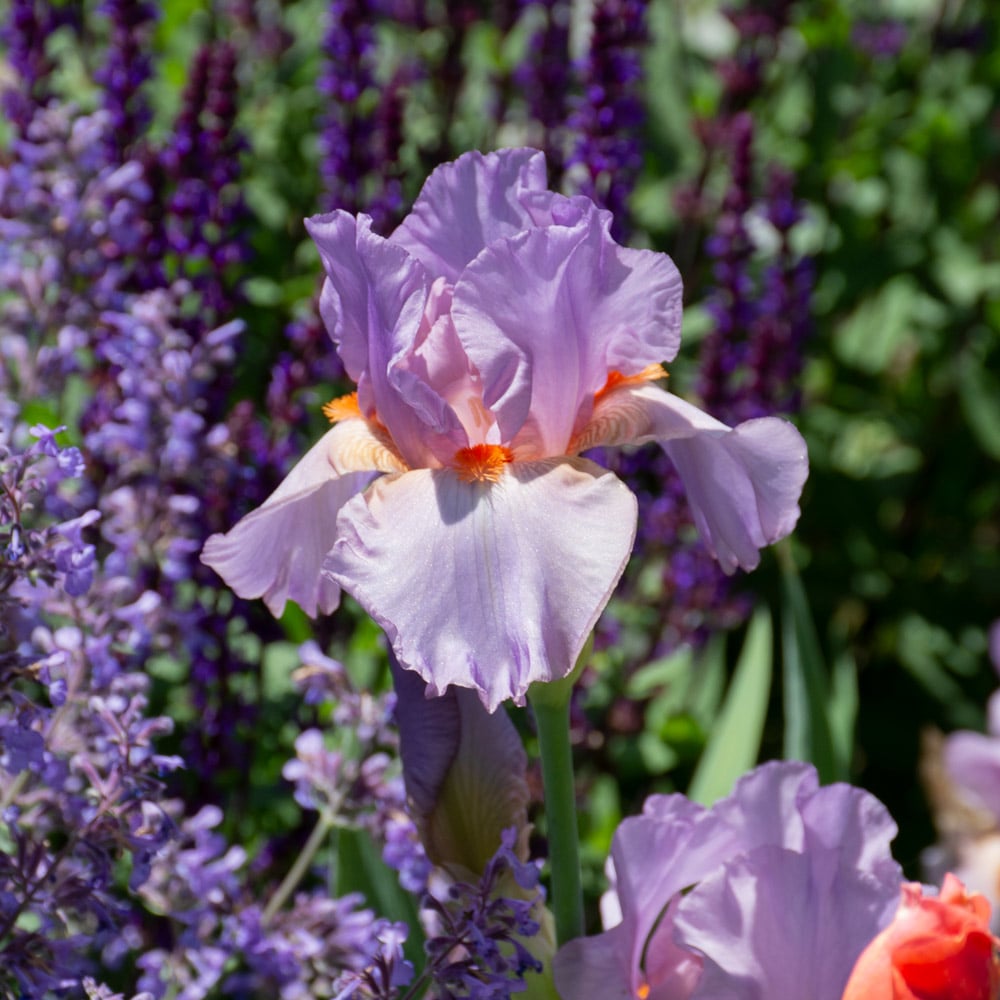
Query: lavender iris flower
pixel 773 892
pixel 497 334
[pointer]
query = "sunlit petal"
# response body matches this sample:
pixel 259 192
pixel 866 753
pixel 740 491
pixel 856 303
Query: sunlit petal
pixel 466 205
pixel 743 482
pixel 276 551
pixel 495 584
pixel 584 306
pixel 374 301
pixel 776 924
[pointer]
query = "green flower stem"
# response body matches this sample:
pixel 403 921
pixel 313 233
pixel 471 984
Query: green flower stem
pixel 290 883
pixel 550 703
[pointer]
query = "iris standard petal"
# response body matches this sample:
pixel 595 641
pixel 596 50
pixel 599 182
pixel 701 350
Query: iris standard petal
pixel 373 302
pixel 468 204
pixel 688 842
pixel 743 482
pixel 766 804
pixel 584 306
pixel 495 585
pixel 375 295
pixel 277 550
pixel 856 824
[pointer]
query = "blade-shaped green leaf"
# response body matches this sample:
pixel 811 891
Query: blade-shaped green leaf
pixel 843 712
pixel 734 743
pixel 360 868
pixel 806 684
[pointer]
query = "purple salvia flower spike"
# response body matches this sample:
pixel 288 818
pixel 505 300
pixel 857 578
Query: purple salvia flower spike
pixel 608 155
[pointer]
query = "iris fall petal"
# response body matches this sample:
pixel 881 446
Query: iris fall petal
pixel 276 551
pixel 743 482
pixel 496 585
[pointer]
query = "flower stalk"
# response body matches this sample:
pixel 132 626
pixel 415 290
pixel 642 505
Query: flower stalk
pixel 550 703
pixel 295 874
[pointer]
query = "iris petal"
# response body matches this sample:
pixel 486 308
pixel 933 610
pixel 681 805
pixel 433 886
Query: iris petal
pixel 595 968
pixel 495 585
pixel 374 301
pixel 783 925
pixel 277 550
pixel 466 205
pixel 743 482
pixel 584 306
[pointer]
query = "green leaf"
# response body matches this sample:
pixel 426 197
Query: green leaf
pixel 843 712
pixel 806 687
pixel 880 328
pixel 708 681
pixel 734 743
pixel 979 394
pixel 361 869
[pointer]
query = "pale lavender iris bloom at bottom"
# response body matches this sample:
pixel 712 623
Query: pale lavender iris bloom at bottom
pixel 498 333
pixel 769 895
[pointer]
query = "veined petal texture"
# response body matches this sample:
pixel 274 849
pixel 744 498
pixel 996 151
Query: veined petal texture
pixel 743 482
pixel 495 585
pixel 467 205
pixel 778 925
pixel 713 901
pixel 584 306
pixel 373 302
pixel 277 550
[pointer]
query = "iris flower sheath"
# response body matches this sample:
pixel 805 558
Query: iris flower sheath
pixel 496 335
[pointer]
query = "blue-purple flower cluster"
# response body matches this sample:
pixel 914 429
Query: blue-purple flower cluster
pixel 99 573
pixel 80 777
pixel 609 115
pixel 225 939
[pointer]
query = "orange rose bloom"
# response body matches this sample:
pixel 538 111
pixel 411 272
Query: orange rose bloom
pixel 936 948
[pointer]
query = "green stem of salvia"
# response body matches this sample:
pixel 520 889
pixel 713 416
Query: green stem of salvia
pixel 295 874
pixel 550 703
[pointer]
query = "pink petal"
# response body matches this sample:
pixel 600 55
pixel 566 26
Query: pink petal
pixel 546 315
pixel 743 483
pixel 595 968
pixel 276 551
pixel 688 842
pixel 373 302
pixel 780 925
pixel 487 585
pixel 438 359
pixel 468 204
